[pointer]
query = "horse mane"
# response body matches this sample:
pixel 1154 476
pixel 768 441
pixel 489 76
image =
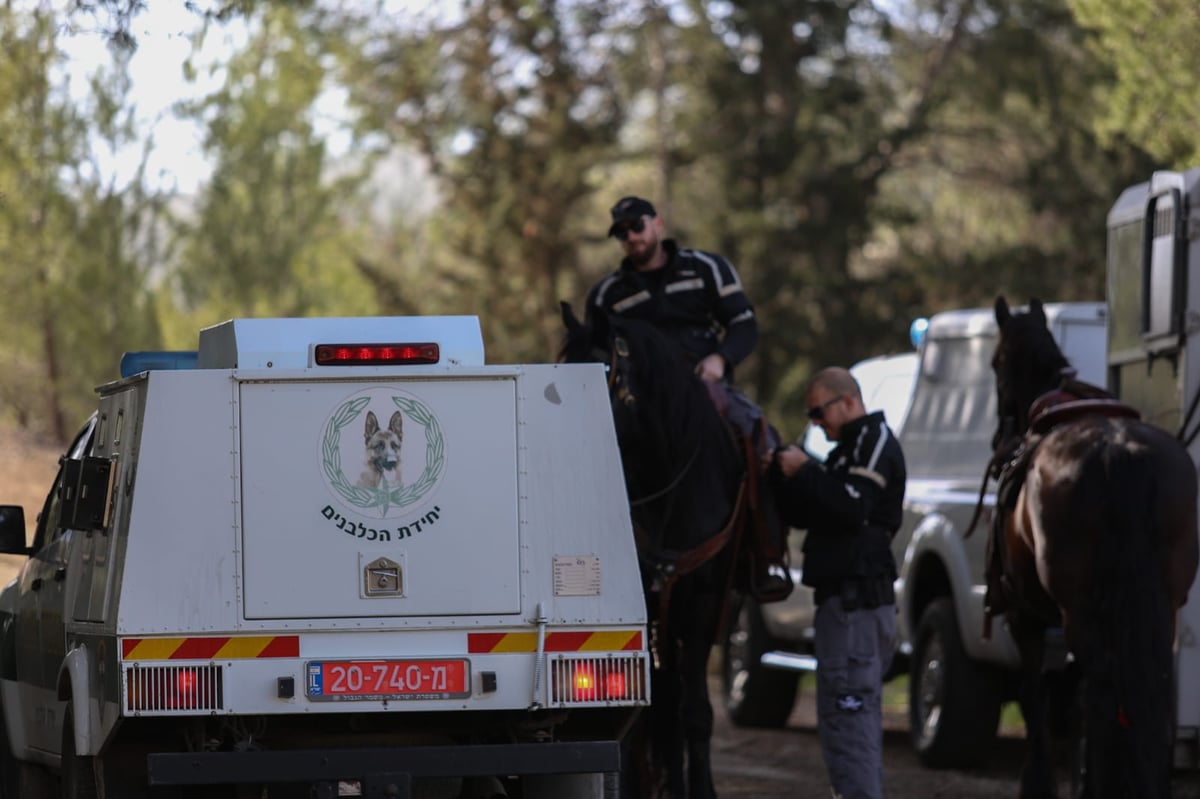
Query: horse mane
pixel 667 384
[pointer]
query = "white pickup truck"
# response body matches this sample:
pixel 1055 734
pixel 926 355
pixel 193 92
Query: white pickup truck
pixel 327 557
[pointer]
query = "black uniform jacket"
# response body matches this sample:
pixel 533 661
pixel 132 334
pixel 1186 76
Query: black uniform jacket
pixel 850 506
pixel 693 299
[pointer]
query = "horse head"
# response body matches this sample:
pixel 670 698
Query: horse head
pixel 1027 363
pixel 583 342
pixel 648 375
pixel 602 339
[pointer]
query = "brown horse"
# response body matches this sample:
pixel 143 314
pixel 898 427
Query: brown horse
pixel 1097 514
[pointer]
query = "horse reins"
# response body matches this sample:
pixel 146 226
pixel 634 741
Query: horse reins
pixel 690 560
pixel 1000 457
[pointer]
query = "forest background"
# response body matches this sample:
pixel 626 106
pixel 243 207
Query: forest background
pixel 861 162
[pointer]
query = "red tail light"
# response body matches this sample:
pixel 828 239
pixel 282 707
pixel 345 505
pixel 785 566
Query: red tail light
pixel 185 683
pixel 609 679
pixel 157 688
pixel 376 354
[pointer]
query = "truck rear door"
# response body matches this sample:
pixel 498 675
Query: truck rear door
pixel 330 529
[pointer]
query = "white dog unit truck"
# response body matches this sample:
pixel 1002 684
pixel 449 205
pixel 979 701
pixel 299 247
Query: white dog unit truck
pixel 1154 362
pixel 328 557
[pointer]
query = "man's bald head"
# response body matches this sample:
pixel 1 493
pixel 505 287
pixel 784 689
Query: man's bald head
pixel 835 380
pixel 834 400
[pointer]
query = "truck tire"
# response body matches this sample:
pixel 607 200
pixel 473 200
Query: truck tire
pixel 755 695
pixel 954 702
pixel 78 774
pixel 9 768
pixel 20 779
pixel 35 782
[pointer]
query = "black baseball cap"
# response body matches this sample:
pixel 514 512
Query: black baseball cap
pixel 630 209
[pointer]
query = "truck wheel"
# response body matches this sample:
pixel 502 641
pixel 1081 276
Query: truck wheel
pixel 35 782
pixel 954 702
pixel 9 767
pixel 21 780
pixel 755 696
pixel 78 775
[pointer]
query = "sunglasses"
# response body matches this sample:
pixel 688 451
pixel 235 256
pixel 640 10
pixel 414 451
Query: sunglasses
pixel 637 226
pixel 817 413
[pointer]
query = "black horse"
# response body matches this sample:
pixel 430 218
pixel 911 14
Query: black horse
pixel 685 479
pixel 1098 536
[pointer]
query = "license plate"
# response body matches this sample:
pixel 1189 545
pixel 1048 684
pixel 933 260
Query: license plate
pixel 331 680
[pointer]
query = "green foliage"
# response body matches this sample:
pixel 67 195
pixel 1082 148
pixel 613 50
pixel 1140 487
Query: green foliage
pixel 859 167
pixel 1152 101
pixel 1012 166
pixel 73 290
pixel 780 122
pixel 511 106
pixel 270 233
pixel 864 168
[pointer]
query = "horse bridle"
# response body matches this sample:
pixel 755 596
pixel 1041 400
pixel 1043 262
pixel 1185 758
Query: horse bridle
pixel 618 385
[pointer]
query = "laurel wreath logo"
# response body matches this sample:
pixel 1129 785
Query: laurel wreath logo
pixel 382 498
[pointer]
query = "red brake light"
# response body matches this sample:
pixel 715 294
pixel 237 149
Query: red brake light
pixel 376 354
pixel 158 688
pixel 607 679
pixel 185 682
pixel 593 681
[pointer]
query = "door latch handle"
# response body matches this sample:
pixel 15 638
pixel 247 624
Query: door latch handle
pixel 60 574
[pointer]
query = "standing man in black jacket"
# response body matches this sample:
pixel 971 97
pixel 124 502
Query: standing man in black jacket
pixel 851 507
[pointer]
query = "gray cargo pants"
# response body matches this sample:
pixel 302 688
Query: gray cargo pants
pixel 854 650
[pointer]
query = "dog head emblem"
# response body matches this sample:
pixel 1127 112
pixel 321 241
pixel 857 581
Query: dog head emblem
pixel 383 452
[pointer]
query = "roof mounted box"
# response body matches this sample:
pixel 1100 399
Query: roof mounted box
pixel 289 343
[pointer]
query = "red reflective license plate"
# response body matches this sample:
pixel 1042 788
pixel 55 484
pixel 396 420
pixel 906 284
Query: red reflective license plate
pixel 388 679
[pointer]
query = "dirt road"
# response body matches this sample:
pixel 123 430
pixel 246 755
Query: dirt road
pixel 786 763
